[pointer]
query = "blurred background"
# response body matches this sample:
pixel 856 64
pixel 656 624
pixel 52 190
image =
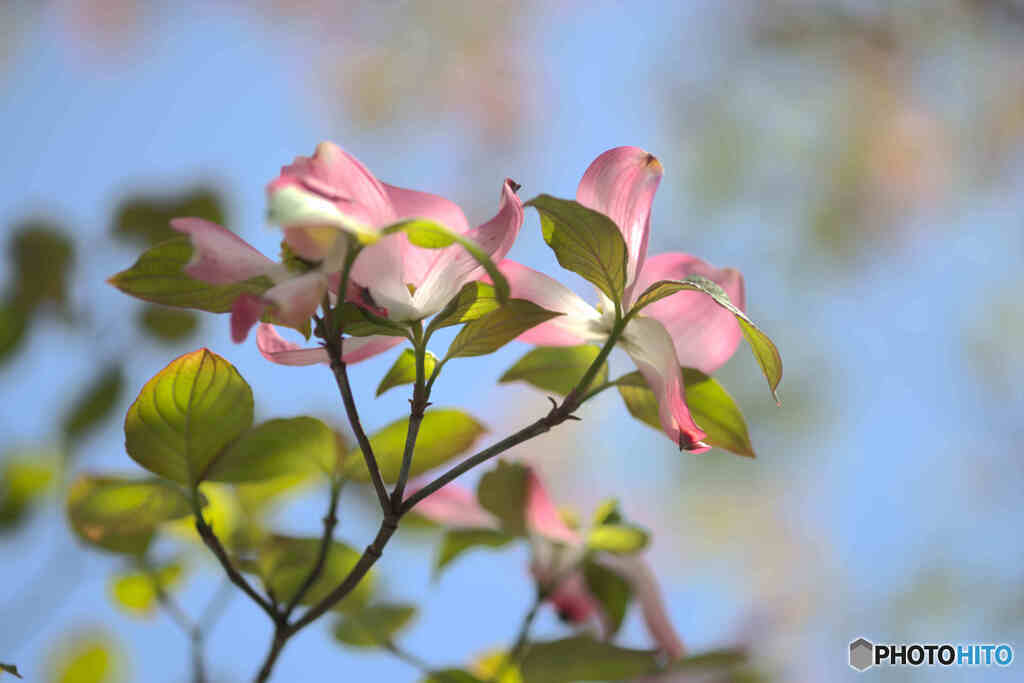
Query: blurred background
pixel 862 163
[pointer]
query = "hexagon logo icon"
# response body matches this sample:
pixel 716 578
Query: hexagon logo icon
pixel 861 654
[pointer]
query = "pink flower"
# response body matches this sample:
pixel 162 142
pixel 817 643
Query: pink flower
pixel 686 328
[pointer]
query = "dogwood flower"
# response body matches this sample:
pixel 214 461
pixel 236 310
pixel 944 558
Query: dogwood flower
pixel 557 554
pixel 686 328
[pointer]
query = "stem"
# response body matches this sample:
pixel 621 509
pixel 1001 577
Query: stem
pixel 275 651
pixel 330 521
pixel 519 647
pixel 418 406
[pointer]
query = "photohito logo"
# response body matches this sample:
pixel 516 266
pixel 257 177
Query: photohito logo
pixel 864 654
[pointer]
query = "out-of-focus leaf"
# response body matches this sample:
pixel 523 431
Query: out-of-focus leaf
pixel 607 513
pixel 277 448
pixel 26 479
pixel 713 661
pixel 458 541
pixel 444 434
pixel 221 510
pixel 452 676
pixel 167 324
pixel 611 590
pixel 121 514
pixel 10 669
pixel 286 561
pixel 95 403
pixel 711 406
pixel 584 241
pixel 473 301
pixel 496 668
pixel 135 591
pixel 764 349
pixel 146 219
pixel 373 625
pixel 157 277
pixel 361 323
pixel 621 539
pixel 88 658
pixel 582 658
pixel 489 333
pixel 186 414
pixel 556 368
pixel 502 492
pixel 13 324
pixel 404 370
pixel 42 255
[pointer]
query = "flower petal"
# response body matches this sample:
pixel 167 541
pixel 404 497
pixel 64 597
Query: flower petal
pixel 621 184
pixel 296 300
pixel 278 350
pixel 705 335
pixel 572 600
pixel 645 587
pixel 221 257
pixel 541 515
pixel 357 349
pixel 577 326
pixel 454 506
pixel 380 268
pixel 455 266
pixel 650 347
pixel 246 311
pixel 413 204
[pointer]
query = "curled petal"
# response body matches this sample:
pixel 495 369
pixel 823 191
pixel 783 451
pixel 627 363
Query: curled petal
pixel 246 311
pixel 453 506
pixel 380 268
pixel 579 325
pixel 455 266
pixel 621 184
pixel 357 349
pixel 645 587
pixel 413 204
pixel 541 515
pixel 704 334
pixel 572 600
pixel 278 350
pixel 221 257
pixel 296 300
pixel 650 347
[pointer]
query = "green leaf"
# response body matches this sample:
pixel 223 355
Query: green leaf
pixel 451 676
pixel 187 414
pixel 764 349
pixel 95 403
pixel 26 479
pixel 277 448
pixel 474 300
pixel 146 218
pixel 611 590
pixel 13 325
pixel 404 370
pixel 121 514
pixel 584 241
pixel 374 625
pixel 43 255
pixel 582 658
pixel 135 591
pixel 621 539
pixel 167 324
pixel 88 658
pixel 557 369
pixel 285 562
pixel 454 543
pixel 157 277
pixel 607 513
pixel 444 434
pixel 502 492
pixel 430 235
pixel 361 323
pixel 722 660
pixel 711 406
pixel 492 331
pixel 10 668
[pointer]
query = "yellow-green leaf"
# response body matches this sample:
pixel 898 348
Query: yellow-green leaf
pixel 492 331
pixel 557 369
pixel 277 448
pixel 611 590
pixel 285 562
pixel 582 658
pixel 473 301
pixel 186 415
pixel 135 591
pixel 502 492
pixel 404 370
pixel 26 479
pixel 621 539
pixel 373 625
pixel 457 541
pixel 86 658
pixel 167 324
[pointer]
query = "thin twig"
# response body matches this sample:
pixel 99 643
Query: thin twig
pixel 330 521
pixel 418 406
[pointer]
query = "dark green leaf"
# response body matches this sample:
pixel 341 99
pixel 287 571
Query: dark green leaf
pixel 584 241
pixel 9 668
pixel 451 676
pixel 13 325
pixel 444 434
pixel 404 370
pixel 725 659
pixel 582 658
pixel 711 406
pixel 121 514
pixel 361 323
pixel 764 349
pixel 158 277
pixel 95 403
pixel 473 301
pixel 374 625
pixel 557 369
pixel 185 416
pixel 167 324
pixel 621 539
pixel 146 219
pixel 285 562
pixel 277 448
pixel 42 255
pixel 611 590
pixel 502 492
pixel 454 543
pixel 492 331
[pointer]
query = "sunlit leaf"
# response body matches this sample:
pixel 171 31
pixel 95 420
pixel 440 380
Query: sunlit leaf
pixel 492 331
pixel 582 658
pixel 42 256
pixel 285 562
pixel 495 667
pixel 607 512
pixel 584 241
pixel 185 416
pixel 444 434
pixel 404 370
pixel 373 625
pixel 764 349
pixel 167 324
pixel 276 448
pixel 158 277
pixel 611 590
pixel 711 406
pixel 121 514
pixel 146 218
pixel 95 403
pixel 474 300
pixel 24 482
pixel 221 510
pixel 88 658
pixel 457 541
pixel 135 591
pixel 557 369
pixel 502 492
pixel 621 539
